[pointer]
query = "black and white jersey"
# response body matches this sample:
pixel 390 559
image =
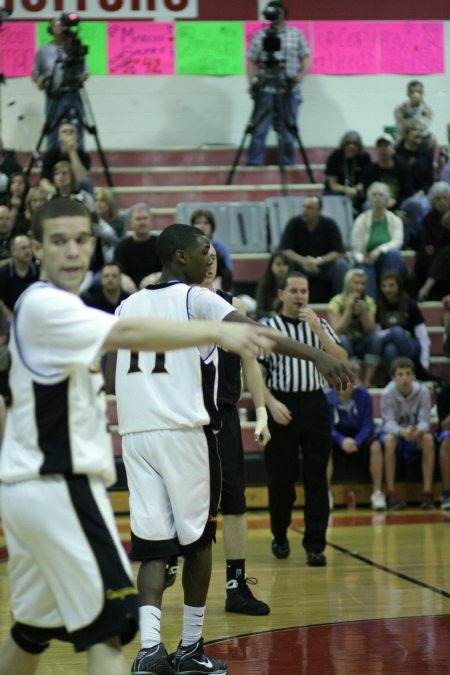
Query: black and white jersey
pixel 174 389
pixel 57 420
pixel 284 373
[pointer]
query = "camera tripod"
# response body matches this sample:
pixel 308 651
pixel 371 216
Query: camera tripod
pixel 280 122
pixel 84 115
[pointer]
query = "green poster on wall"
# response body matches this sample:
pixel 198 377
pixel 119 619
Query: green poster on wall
pixel 92 35
pixel 209 47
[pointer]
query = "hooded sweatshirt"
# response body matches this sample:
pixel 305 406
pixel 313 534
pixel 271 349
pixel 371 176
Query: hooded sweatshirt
pixel 399 411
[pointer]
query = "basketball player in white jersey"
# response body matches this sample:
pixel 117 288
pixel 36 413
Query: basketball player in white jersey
pixel 167 417
pixel 69 576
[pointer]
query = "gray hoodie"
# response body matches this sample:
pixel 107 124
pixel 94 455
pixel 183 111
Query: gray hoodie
pixel 399 411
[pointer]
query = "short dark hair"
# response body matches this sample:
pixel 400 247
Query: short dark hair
pixel 291 274
pixel 55 208
pixel 207 215
pixel 175 237
pixel 319 200
pixel 278 3
pixel 402 362
pixel 414 83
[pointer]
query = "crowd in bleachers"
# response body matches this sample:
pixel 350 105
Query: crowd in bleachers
pixel 398 198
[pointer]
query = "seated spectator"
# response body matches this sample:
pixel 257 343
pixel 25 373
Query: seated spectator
pixel 434 235
pixel 377 237
pixel 313 244
pixel 443 410
pixel 5 234
pixel 405 434
pixel 352 314
pixel 267 300
pixel 438 280
pixel 415 109
pixel 354 442
pixel 345 167
pixel 446 322
pixel 66 184
pixel 419 156
pixel 17 193
pixel 18 274
pixel 68 151
pixel 136 254
pixel 109 294
pixel 106 209
pixel 36 197
pixel 8 166
pixel 204 220
pixel 444 159
pixel 402 330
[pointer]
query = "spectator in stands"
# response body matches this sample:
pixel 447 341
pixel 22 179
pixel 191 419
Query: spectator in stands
pixel 36 197
pixel 313 244
pixel 419 156
pixel 109 294
pixel 352 314
pixel 443 410
pixel 5 234
pixel 444 159
pixel 63 98
pixel 8 166
pixel 345 167
pixel 434 235
pixel 136 254
pixel 267 300
pixel 438 280
pixel 17 193
pixel 405 414
pixel 68 151
pixel 106 209
pixel 354 442
pixel 18 274
pixel 415 109
pixel 66 184
pixel 377 237
pixel 402 329
pixel 204 220
pixel 446 322
pixel 292 62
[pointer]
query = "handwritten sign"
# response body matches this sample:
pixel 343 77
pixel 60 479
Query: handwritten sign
pixel 411 47
pixel 140 48
pixel 209 47
pixel 252 27
pixel 345 47
pixel 18 46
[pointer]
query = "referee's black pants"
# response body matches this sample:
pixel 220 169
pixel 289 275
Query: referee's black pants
pixel 310 429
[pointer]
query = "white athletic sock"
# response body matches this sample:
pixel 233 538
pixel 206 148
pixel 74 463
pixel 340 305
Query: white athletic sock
pixel 150 625
pixel 193 618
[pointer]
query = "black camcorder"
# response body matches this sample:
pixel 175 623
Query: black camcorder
pixel 73 64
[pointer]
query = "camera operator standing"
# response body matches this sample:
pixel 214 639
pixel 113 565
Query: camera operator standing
pixel 59 69
pixel 278 60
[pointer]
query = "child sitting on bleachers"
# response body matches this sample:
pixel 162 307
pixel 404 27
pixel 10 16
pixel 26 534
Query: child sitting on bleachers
pixel 354 441
pixel 414 108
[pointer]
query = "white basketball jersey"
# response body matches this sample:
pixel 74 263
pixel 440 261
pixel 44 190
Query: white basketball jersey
pixel 175 389
pixel 57 420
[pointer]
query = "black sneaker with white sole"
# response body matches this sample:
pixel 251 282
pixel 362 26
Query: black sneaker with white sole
pixel 152 661
pixel 241 600
pixel 192 660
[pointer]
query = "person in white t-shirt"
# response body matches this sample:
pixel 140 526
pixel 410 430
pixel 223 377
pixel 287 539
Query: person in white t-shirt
pixel 69 576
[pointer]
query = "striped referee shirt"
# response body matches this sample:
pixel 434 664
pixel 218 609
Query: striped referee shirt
pixel 284 373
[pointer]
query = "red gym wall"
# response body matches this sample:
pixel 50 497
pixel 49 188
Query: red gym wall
pixel 247 10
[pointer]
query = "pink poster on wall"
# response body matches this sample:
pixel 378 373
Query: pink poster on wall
pixel 345 47
pixel 411 47
pixel 18 47
pixel 140 48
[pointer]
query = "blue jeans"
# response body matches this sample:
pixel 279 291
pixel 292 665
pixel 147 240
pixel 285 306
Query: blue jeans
pixel 67 106
pixel 392 260
pixel 356 348
pixel 389 344
pixel 279 109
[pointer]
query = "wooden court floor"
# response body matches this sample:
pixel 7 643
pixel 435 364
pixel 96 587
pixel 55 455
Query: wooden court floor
pixel 380 607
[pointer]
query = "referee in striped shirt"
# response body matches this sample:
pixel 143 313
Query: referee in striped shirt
pixel 299 417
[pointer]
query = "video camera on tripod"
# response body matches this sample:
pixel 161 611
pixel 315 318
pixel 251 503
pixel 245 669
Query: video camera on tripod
pixel 73 61
pixel 272 61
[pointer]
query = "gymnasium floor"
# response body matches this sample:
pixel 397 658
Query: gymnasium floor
pixel 380 607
